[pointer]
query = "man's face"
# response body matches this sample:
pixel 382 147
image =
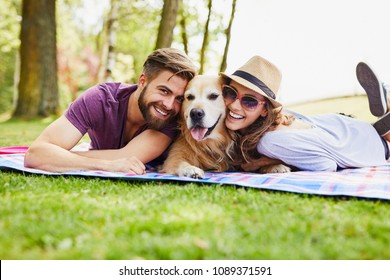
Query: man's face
pixel 160 99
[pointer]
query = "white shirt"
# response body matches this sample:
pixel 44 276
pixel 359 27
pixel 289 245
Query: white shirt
pixel 333 141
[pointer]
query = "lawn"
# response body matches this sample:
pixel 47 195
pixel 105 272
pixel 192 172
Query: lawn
pixel 85 218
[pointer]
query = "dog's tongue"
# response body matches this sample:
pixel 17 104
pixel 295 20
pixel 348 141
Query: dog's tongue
pixel 198 133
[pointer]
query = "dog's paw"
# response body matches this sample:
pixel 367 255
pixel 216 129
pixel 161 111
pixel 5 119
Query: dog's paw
pixel 276 168
pixel 192 172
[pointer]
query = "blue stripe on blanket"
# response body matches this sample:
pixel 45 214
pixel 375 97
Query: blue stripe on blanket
pixel 372 182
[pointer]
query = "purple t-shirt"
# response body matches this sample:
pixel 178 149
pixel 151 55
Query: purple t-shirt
pixel 101 112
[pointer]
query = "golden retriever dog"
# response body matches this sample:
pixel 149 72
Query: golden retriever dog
pixel 204 142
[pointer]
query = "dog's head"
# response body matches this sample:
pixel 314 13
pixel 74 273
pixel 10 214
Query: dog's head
pixel 203 109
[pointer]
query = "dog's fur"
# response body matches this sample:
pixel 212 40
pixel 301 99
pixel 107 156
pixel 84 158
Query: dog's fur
pixel 196 150
pixel 204 109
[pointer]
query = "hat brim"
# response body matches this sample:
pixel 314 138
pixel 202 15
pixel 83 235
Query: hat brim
pixel 251 86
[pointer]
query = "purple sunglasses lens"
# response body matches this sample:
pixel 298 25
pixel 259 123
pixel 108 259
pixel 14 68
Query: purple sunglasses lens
pixel 247 102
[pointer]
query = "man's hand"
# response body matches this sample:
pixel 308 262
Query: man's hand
pixel 131 165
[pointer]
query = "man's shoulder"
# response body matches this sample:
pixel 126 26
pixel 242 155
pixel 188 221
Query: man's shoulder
pixel 106 93
pixel 115 86
pixel 117 90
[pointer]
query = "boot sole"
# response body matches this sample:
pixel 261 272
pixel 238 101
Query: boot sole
pixel 376 96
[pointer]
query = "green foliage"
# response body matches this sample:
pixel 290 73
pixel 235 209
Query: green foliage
pixel 195 13
pixel 137 31
pixel 9 44
pixel 9 25
pixel 6 99
pixel 78 53
pixel 80 44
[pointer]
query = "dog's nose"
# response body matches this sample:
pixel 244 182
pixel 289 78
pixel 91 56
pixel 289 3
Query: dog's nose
pixel 197 114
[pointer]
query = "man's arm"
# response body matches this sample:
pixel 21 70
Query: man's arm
pixel 51 152
pixel 146 147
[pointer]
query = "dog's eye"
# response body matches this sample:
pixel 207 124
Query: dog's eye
pixel 179 99
pixel 190 97
pixel 213 96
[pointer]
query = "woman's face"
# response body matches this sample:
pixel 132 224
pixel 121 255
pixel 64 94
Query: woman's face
pixel 241 110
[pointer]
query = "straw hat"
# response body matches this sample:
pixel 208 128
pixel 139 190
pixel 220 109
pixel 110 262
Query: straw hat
pixel 259 75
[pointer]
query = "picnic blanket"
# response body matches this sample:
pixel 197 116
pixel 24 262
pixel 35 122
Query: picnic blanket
pixel 370 182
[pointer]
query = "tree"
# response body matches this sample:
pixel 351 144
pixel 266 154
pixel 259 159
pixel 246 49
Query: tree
pixel 38 89
pixel 10 12
pixel 183 28
pixel 228 35
pixel 138 22
pixel 167 23
pixel 108 51
pixel 205 38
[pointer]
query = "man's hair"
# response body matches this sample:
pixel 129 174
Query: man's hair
pixel 172 60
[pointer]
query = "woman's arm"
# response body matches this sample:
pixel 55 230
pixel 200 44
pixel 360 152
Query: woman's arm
pixel 259 163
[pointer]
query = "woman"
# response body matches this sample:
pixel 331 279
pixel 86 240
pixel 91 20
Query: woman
pixel 318 143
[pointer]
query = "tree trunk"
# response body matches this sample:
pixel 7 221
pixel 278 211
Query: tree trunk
pixel 205 39
pixel 38 88
pixel 228 35
pixel 183 27
pixel 108 52
pixel 167 23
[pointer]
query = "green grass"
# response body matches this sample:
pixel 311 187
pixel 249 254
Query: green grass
pixel 45 217
pixel 356 106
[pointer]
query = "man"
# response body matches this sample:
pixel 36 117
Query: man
pixel 129 125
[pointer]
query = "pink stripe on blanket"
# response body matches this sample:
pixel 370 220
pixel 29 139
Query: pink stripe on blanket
pixel 13 150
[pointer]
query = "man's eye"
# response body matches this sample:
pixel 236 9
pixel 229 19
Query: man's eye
pixel 164 92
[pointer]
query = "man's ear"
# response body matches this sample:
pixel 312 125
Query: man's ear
pixel 142 80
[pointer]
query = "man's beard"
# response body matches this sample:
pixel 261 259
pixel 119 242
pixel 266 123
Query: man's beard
pixel 152 121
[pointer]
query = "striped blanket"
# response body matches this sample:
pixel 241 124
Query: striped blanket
pixel 372 182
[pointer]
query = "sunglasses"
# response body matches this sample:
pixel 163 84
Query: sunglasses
pixel 247 102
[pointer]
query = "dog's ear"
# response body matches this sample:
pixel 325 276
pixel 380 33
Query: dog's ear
pixel 221 81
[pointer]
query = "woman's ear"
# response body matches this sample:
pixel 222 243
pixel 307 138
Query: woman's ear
pixel 264 113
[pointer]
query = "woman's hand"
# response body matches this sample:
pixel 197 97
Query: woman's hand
pixel 259 163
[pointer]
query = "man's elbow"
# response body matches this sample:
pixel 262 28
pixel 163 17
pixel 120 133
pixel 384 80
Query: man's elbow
pixel 31 158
